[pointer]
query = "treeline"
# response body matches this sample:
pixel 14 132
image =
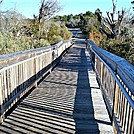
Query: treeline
pixel 88 22
pixel 18 33
pixel 77 21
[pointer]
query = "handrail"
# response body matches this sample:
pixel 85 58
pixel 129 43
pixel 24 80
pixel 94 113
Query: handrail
pixel 117 85
pixel 117 64
pixel 20 62
pixel 117 80
pixel 8 59
pixel 21 75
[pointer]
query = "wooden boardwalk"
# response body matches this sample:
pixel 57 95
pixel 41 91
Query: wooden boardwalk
pixel 68 101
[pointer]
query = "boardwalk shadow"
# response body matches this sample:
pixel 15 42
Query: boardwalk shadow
pixel 83 113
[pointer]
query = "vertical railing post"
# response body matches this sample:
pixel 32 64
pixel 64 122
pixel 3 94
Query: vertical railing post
pixel 1 101
pixel 35 72
pixel 102 69
pixel 92 55
pixel 115 107
pixel 116 98
pixel 115 104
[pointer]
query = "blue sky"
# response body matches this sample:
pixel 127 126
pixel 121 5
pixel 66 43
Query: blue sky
pixel 30 7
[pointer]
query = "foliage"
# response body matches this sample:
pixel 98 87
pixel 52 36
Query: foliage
pixel 58 32
pixel 18 33
pixel 40 43
pixel 13 43
pixel 46 11
pixel 55 39
pixel 9 44
pixel 54 29
pixel 33 28
pixel 123 48
pixel 121 31
pixel 89 28
pixel 90 24
pixel 64 32
pixel 75 21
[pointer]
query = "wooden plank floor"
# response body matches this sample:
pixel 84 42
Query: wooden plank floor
pixel 68 101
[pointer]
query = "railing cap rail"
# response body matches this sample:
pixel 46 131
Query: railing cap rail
pixel 119 65
pixel 8 59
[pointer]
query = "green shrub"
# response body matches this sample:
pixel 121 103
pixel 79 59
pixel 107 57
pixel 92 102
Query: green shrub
pixel 9 44
pixel 41 43
pixel 54 30
pixel 55 39
pixel 123 48
pixel 58 32
pixel 65 33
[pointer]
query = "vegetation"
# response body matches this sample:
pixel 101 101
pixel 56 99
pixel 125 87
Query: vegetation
pixel 123 48
pixel 114 35
pixel 119 32
pixel 18 33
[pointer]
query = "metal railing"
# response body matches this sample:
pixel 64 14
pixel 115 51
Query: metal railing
pixel 116 79
pixel 19 77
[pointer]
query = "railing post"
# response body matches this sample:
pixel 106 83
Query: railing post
pixel 118 80
pixel 115 106
pixel 35 72
pixel 92 55
pixel 116 98
pixel 1 101
pixel 18 78
pixel 102 69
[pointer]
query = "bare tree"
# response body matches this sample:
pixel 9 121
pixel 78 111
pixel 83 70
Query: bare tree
pixel 1 1
pixel 110 22
pixel 132 3
pixel 11 22
pixel 133 9
pixel 47 9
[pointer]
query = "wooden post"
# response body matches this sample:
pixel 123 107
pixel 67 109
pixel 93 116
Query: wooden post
pixel 116 98
pixel 115 106
pixel 1 101
pixel 102 69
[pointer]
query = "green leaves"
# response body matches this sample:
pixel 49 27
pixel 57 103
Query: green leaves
pixel 123 48
pixel 58 32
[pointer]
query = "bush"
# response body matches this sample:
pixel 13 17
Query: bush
pixel 58 32
pixel 64 33
pixel 9 44
pixel 40 43
pixel 55 39
pixel 54 30
pixel 123 48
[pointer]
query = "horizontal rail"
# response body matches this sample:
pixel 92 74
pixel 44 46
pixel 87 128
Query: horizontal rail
pixel 117 86
pixel 19 77
pixel 18 63
pixel 9 59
